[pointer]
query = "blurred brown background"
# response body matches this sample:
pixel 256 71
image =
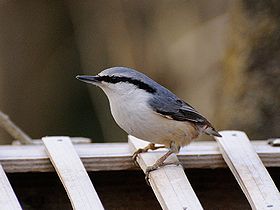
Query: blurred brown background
pixel 222 56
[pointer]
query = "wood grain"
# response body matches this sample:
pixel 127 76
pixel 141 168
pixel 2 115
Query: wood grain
pixel 169 183
pixel 249 171
pixel 8 199
pixel 72 173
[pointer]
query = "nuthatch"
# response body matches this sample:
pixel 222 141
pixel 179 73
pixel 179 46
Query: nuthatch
pixel 147 110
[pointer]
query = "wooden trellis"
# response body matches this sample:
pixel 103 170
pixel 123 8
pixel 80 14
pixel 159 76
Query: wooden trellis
pixel 173 190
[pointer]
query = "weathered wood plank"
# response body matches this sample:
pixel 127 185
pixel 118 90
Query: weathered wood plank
pixel 72 173
pixel 117 156
pixel 169 183
pixel 249 171
pixel 8 199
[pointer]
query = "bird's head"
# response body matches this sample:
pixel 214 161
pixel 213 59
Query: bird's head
pixel 120 81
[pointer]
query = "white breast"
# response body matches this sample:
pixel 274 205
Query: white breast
pixel 132 113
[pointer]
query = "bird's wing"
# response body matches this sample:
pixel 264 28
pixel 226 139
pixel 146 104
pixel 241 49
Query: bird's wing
pixel 179 110
pixel 171 107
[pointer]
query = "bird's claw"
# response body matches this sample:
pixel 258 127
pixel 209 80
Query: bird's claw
pixel 177 163
pixel 135 155
pixel 149 169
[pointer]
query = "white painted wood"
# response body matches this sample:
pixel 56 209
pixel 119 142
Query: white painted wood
pixel 117 156
pixel 169 183
pixel 74 140
pixel 8 199
pixel 249 171
pixel 72 173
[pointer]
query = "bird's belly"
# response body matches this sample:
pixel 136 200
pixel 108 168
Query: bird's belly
pixel 144 123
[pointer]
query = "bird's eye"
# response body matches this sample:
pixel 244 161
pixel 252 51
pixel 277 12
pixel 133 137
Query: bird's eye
pixel 111 79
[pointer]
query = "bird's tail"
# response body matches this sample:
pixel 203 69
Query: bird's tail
pixel 211 131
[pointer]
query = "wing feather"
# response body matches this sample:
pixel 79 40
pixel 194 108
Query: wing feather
pixel 180 111
pixel 171 107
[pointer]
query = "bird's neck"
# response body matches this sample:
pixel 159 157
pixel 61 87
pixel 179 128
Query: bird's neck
pixel 125 106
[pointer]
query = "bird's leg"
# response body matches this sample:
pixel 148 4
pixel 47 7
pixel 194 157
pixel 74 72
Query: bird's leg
pixel 160 162
pixel 150 146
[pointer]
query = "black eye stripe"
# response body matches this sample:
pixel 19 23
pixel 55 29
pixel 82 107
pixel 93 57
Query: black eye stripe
pixel 138 83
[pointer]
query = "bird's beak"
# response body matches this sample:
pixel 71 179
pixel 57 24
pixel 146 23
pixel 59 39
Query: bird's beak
pixel 88 79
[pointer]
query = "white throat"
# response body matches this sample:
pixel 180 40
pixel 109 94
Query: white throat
pixel 128 104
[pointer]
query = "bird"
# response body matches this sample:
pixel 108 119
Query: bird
pixel 147 110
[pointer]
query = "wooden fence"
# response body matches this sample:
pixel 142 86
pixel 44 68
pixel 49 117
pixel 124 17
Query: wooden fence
pixel 173 190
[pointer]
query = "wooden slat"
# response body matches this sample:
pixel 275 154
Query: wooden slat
pixel 169 183
pixel 8 199
pixel 249 171
pixel 117 156
pixel 72 173
pixel 74 140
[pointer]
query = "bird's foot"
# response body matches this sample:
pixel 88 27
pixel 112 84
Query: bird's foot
pixel 150 146
pixel 136 153
pixel 149 169
pixel 156 166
